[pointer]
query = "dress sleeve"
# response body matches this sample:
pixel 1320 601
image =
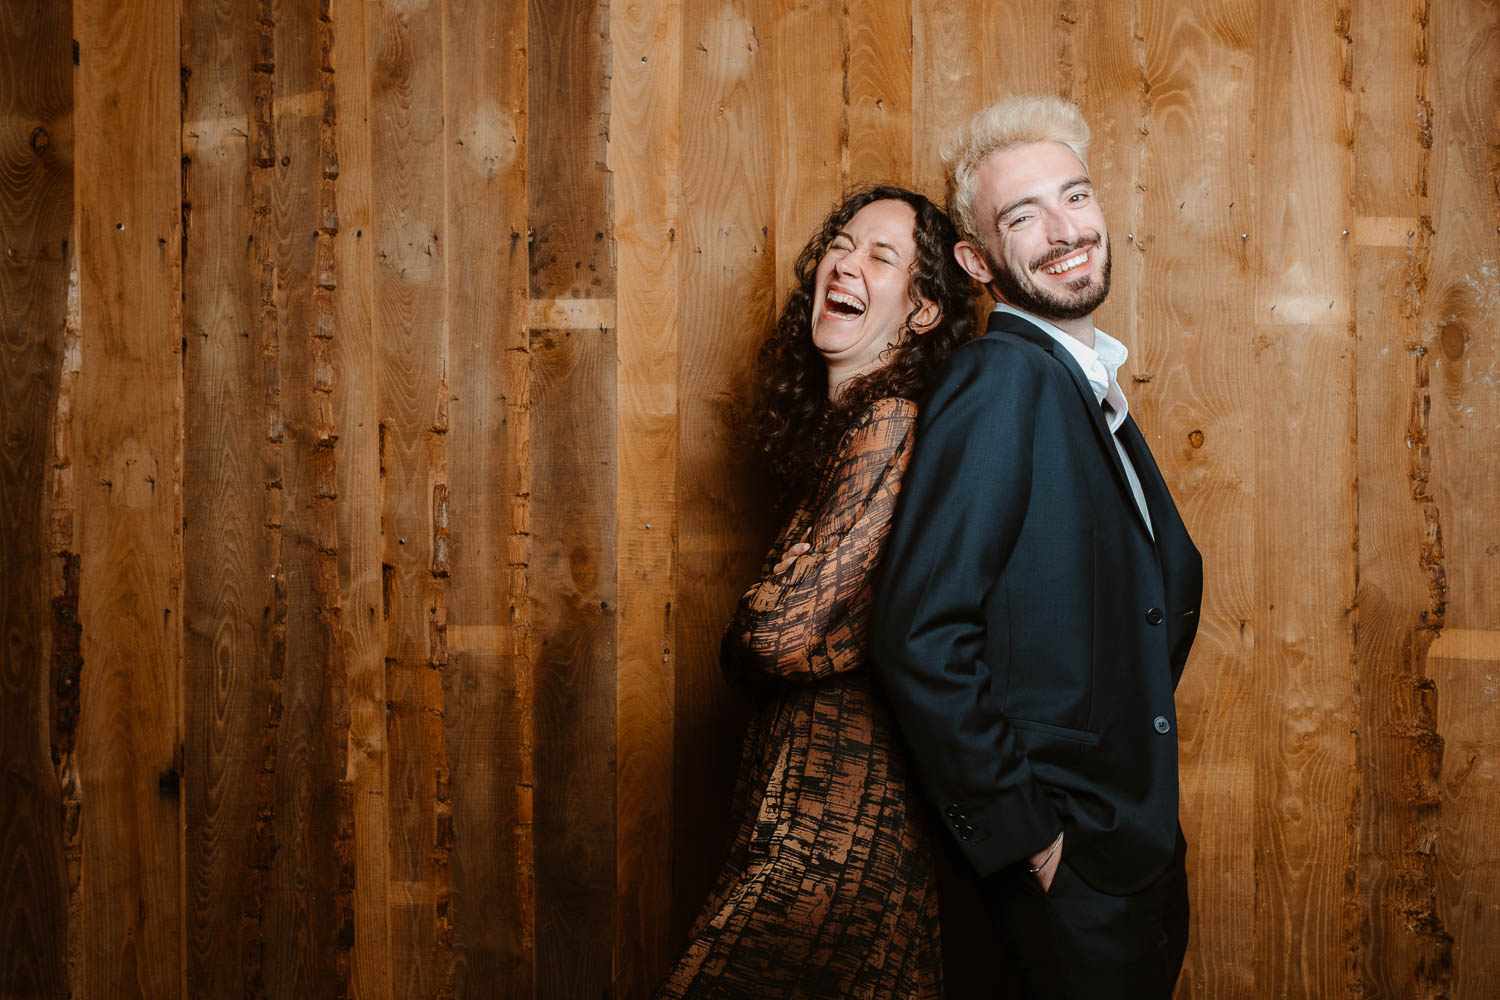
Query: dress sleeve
pixel 812 621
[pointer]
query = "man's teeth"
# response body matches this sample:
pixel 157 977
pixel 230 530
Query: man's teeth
pixel 847 301
pixel 1067 265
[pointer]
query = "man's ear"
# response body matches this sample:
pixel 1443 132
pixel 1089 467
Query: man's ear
pixel 971 259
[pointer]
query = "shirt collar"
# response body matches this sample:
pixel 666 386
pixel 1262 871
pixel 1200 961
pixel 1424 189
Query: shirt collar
pixel 1101 363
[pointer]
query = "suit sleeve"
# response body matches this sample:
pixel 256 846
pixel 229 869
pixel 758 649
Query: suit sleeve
pixel 811 621
pixel 964 500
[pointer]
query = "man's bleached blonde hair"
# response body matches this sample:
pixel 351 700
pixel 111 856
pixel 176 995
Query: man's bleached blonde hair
pixel 1014 121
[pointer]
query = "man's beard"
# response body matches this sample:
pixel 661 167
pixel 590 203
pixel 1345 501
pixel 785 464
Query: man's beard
pixel 1049 305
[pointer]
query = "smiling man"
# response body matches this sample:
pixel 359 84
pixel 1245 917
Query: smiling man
pixel 1039 591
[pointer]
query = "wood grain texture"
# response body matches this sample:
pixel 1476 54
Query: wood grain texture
pixel 1462 665
pixel 1403 945
pixel 878 89
pixel 809 50
pixel 728 211
pixel 1461 328
pixel 574 505
pixel 127 460
pixel 645 159
pixel 228 576
pixel 947 86
pixel 1305 783
pixel 485 687
pixel 355 404
pixel 408 154
pixel 570 94
pixel 295 225
pixel 1194 194
pixel 573 580
pixel 36 668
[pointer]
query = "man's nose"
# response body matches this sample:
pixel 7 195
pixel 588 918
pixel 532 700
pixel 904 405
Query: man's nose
pixel 1061 227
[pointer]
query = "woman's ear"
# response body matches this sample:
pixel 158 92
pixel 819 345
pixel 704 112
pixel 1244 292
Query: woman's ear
pixel 925 318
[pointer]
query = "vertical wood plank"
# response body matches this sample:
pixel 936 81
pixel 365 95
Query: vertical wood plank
pixel 1400 605
pixel 878 94
pixel 573 573
pixel 1461 327
pixel 573 516
pixel 946 89
pixel 36 192
pixel 411 261
pixel 1462 665
pixel 229 573
pixel 810 54
pixel 728 210
pixel 1183 298
pixel 355 404
pixel 293 230
pixel 569 91
pixel 127 453
pixel 486 685
pixel 1024 48
pixel 1302 365
pixel 645 156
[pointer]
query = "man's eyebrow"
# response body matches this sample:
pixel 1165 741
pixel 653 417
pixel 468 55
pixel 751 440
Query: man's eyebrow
pixel 1032 200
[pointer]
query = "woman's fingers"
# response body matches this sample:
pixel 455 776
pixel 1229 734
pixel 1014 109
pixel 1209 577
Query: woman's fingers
pixel 801 548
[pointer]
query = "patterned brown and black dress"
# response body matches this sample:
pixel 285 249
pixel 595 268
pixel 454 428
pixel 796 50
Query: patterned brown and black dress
pixel 829 888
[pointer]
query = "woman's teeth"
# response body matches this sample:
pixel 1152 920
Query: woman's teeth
pixel 845 305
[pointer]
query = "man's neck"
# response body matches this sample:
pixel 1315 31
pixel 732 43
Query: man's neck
pixel 1081 329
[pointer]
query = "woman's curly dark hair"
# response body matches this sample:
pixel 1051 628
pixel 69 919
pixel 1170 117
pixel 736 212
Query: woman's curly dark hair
pixel 794 425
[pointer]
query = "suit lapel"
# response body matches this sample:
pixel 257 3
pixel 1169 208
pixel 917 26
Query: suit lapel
pixel 1004 322
pixel 1171 533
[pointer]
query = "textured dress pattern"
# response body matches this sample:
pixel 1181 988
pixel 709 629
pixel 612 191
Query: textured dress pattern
pixel 829 888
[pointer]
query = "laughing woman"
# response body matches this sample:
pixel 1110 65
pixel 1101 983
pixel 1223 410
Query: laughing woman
pixel 829 888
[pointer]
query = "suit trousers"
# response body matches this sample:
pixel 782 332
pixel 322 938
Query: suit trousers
pixel 1074 941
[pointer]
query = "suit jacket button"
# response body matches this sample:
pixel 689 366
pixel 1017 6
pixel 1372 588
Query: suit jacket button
pixel 966 835
pixel 1154 616
pixel 1161 724
pixel 955 813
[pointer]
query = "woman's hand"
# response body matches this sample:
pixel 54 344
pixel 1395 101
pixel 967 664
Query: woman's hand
pixel 801 548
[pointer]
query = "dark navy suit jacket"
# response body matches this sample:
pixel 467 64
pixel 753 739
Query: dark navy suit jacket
pixel 1028 629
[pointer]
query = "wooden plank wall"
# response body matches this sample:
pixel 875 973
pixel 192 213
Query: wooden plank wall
pixel 371 500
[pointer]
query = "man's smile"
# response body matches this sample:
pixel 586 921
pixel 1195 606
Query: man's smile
pixel 1068 264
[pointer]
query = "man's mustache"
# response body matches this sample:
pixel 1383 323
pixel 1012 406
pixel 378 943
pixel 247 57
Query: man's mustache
pixel 1068 251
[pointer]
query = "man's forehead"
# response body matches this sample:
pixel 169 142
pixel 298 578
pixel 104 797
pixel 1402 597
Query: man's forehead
pixel 1030 169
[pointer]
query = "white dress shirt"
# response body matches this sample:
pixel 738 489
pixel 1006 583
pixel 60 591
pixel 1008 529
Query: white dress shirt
pixel 1101 365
